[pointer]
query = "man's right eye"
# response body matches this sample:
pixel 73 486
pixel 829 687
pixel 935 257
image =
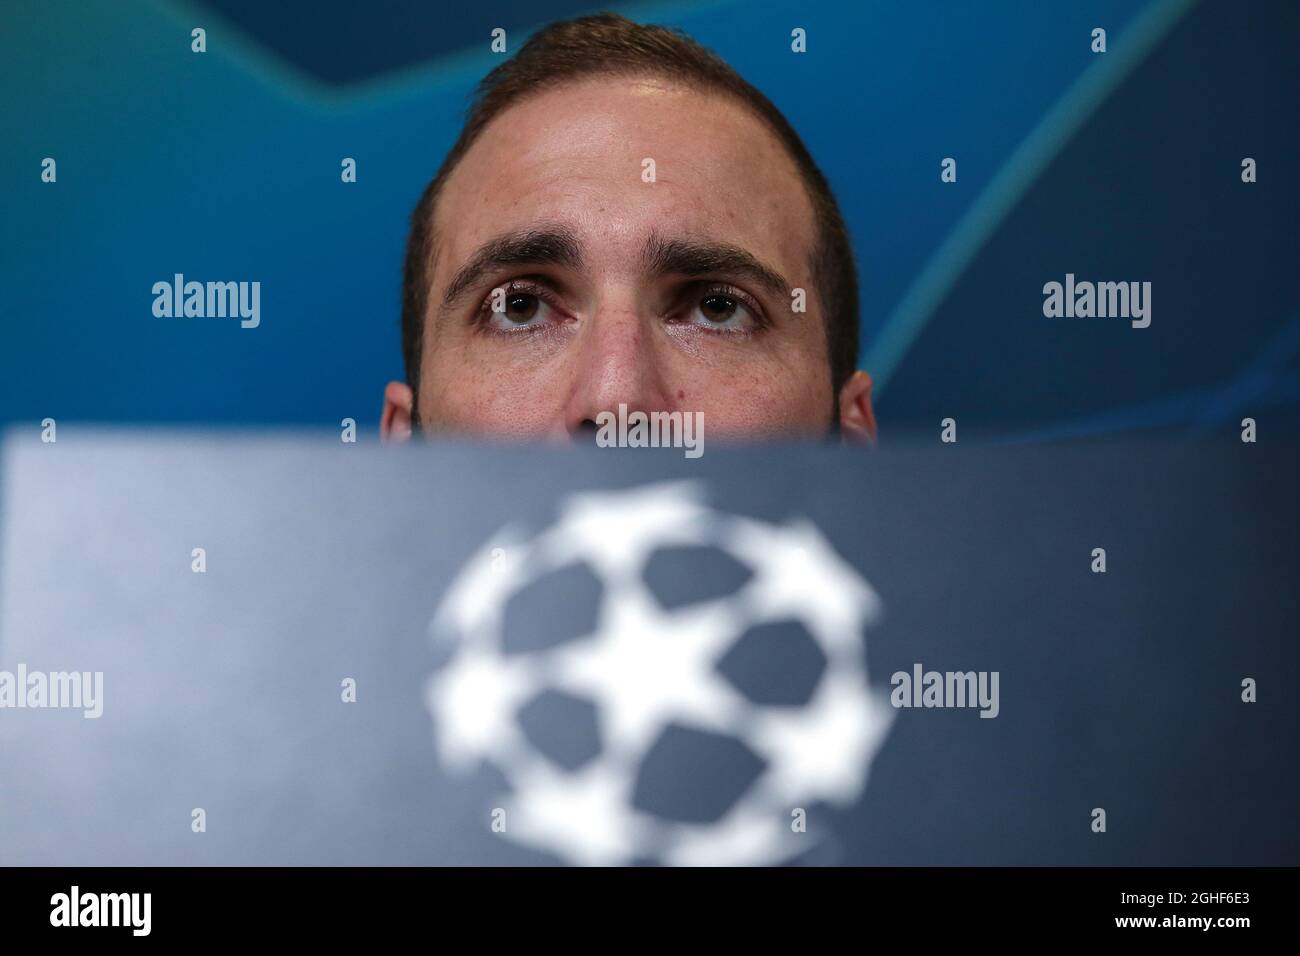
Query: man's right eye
pixel 521 306
pixel 511 310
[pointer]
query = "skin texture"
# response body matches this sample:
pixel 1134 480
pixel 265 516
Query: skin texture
pixel 610 326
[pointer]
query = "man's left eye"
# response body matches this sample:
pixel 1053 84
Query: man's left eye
pixel 718 311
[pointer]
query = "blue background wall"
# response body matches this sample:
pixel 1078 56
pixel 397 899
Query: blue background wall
pixel 223 166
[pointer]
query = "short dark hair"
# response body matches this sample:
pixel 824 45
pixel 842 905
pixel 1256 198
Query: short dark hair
pixel 609 44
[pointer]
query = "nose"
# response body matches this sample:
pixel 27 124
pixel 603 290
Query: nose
pixel 617 363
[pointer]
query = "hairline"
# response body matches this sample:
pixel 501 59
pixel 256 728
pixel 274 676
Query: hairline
pixel 616 69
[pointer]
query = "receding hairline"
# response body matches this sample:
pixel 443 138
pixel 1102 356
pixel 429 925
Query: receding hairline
pixel 687 81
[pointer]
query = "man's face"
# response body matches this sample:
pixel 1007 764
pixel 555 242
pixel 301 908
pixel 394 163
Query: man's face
pixel 565 284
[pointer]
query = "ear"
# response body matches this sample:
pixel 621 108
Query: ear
pixel 857 420
pixel 395 421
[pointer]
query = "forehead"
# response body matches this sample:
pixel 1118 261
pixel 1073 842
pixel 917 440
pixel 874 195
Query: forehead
pixel 576 154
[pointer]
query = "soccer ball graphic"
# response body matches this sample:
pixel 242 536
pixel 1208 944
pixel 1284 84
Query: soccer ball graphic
pixel 649 673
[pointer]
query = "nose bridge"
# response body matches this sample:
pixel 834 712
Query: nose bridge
pixel 616 346
pixel 617 363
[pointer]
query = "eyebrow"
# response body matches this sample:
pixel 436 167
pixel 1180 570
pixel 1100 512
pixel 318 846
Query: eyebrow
pixel 538 245
pixel 557 244
pixel 698 257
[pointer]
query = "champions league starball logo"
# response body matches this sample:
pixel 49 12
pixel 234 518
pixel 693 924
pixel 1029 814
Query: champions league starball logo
pixel 648 671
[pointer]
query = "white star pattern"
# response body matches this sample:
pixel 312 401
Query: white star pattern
pixel 644 668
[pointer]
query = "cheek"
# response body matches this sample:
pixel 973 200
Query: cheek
pixel 463 391
pixel 757 398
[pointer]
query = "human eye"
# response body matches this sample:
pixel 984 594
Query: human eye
pixel 722 309
pixel 517 306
